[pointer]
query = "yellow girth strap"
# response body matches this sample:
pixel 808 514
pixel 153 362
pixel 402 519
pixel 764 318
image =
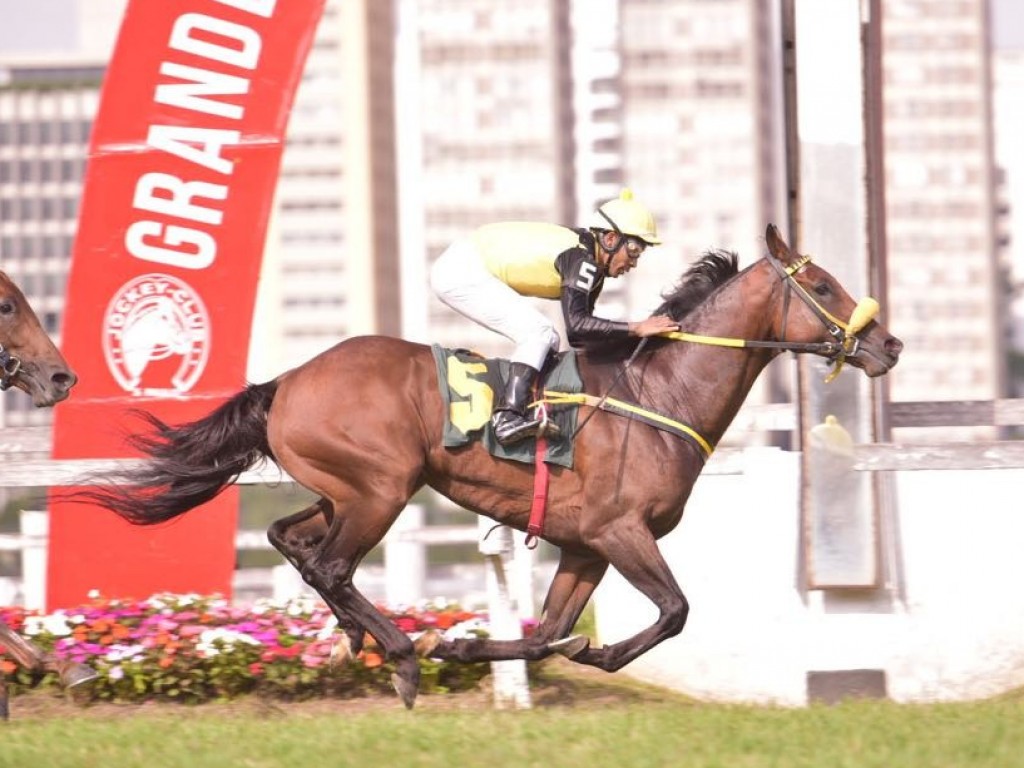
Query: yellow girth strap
pixel 629 410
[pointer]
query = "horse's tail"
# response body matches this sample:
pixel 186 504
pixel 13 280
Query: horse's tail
pixel 188 464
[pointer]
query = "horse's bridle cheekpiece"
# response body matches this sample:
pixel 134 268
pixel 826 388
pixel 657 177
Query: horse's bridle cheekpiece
pixel 10 366
pixel 845 334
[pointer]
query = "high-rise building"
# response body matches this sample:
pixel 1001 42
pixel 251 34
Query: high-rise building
pixel 1008 97
pixel 945 300
pixel 700 133
pixel 331 261
pixel 46 114
pixel 496 129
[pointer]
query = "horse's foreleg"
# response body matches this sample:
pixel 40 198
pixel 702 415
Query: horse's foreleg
pixel 634 553
pixel 574 582
pixel 298 537
pixel 27 655
pixel 24 653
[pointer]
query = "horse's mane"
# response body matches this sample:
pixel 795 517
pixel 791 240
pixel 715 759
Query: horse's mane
pixel 712 270
pixel 698 282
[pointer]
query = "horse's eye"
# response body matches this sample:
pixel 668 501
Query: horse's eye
pixel 6 307
pixel 823 289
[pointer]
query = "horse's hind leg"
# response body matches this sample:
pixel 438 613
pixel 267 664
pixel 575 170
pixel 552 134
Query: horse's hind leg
pixel 358 526
pixel 574 582
pixel 298 537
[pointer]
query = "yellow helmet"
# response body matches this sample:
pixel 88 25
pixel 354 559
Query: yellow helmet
pixel 627 217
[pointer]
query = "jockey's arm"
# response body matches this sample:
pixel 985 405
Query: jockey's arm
pixel 582 328
pixel 581 285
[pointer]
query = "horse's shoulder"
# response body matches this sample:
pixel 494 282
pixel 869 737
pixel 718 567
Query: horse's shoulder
pixel 597 365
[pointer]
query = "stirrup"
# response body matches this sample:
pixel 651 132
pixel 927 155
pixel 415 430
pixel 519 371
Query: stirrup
pixel 545 426
pixel 513 428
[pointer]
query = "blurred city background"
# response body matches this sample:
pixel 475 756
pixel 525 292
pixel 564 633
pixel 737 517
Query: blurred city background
pixel 418 120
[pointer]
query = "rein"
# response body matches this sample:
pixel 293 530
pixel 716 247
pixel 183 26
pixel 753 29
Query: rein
pixel 845 344
pixel 10 366
pixel 845 334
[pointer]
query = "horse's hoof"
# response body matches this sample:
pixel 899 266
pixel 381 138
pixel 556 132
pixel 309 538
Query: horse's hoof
pixel 341 652
pixel 76 674
pixel 426 643
pixel 406 690
pixel 570 646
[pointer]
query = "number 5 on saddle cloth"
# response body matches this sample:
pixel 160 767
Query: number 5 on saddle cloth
pixel 468 383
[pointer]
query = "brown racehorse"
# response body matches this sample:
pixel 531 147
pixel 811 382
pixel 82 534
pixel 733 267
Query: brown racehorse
pixel 361 426
pixel 30 362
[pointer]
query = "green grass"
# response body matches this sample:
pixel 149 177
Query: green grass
pixel 600 721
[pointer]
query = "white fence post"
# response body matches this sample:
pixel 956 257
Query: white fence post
pixel 511 688
pixel 524 561
pixel 405 559
pixel 35 527
pixel 286 583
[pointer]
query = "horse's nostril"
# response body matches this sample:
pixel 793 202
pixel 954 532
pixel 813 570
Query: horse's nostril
pixel 893 346
pixel 64 380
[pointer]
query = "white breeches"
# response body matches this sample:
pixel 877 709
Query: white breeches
pixel 460 280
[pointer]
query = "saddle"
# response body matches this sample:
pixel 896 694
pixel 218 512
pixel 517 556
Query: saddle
pixel 468 383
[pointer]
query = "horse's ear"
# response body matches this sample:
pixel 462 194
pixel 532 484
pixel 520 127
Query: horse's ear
pixel 776 245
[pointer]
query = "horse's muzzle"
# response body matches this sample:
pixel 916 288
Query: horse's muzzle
pixel 46 385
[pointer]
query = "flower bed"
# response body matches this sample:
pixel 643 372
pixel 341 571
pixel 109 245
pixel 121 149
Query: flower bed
pixel 193 649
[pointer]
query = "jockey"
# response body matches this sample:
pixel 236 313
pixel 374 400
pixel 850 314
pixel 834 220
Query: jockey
pixel 488 276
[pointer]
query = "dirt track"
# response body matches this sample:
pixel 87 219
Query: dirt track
pixel 557 683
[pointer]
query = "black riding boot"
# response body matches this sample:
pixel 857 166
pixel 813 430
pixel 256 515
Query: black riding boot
pixel 510 421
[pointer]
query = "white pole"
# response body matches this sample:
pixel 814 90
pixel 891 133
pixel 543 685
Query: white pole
pixel 511 688
pixel 286 583
pixel 35 527
pixel 523 561
pixel 405 559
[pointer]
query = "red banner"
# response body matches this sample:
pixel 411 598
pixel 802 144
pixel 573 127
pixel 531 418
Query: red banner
pixel 183 160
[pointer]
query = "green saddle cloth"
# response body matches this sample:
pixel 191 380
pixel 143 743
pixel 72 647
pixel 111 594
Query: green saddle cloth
pixel 468 384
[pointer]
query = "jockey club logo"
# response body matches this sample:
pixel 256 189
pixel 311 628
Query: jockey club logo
pixel 156 336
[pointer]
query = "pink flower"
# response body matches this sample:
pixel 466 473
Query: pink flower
pixel 406 624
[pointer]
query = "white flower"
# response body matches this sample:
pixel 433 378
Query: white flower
pixel 115 673
pixel 123 652
pixel 226 638
pixel 55 624
pixel 301 606
pixel 93 594
pixel 328 629
pixel 158 602
pixel 470 628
